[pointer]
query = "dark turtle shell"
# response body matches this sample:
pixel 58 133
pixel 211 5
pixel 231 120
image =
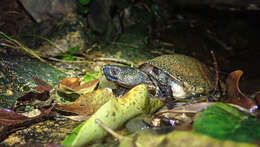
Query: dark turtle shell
pixel 187 72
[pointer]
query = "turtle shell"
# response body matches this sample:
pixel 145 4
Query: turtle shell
pixel 190 73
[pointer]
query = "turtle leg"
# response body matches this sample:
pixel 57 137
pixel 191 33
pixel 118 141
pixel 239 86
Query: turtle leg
pixel 164 92
pixel 156 84
pixel 170 100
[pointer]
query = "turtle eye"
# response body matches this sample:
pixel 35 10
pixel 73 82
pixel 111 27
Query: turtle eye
pixel 114 71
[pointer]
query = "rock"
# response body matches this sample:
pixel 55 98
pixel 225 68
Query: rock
pixel 48 9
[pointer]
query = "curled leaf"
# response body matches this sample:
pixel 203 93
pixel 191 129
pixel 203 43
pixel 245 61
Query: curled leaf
pixel 42 86
pixel 257 99
pixel 193 108
pixel 88 103
pixel 11 121
pixel 38 100
pixel 235 95
pixel 73 84
pixel 113 114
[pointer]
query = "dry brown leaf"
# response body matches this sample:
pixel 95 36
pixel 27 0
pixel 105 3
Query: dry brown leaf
pixel 88 103
pixel 193 108
pixel 42 86
pixel 87 87
pixel 235 96
pixel 69 83
pixel 73 84
pixel 11 121
pixel 8 117
pixel 257 99
pixel 35 99
pixel 179 114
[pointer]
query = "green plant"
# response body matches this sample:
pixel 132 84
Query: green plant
pixel 73 50
pixel 92 76
pixel 68 57
pixel 82 8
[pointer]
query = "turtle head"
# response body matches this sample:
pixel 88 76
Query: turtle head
pixel 125 76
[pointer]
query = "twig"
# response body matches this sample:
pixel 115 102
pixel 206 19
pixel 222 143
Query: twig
pixel 112 132
pixel 49 41
pixel 122 61
pixel 220 42
pixel 14 44
pixel 175 111
pixel 67 61
pixel 26 49
pixel 216 70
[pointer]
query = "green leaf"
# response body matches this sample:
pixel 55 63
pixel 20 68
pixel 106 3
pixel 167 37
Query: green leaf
pixel 84 2
pixel 68 57
pixel 147 138
pixel 225 122
pixel 73 50
pixel 91 76
pixel 113 114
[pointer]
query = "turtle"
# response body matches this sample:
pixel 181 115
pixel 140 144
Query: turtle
pixel 174 75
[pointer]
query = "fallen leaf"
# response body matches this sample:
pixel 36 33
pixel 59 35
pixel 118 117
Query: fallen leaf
pixel 77 117
pixel 226 122
pixel 257 99
pixel 70 85
pixel 32 113
pixel 35 99
pixel 92 76
pixel 87 87
pixel 8 117
pixel 180 117
pixel 235 96
pixel 11 121
pixel 193 108
pixel 113 114
pixel 176 139
pixel 41 85
pixel 88 103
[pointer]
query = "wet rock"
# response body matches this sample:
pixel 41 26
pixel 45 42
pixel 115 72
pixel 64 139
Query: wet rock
pixel 48 9
pixel 42 133
pixel 17 74
pixel 104 17
pixel 54 39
